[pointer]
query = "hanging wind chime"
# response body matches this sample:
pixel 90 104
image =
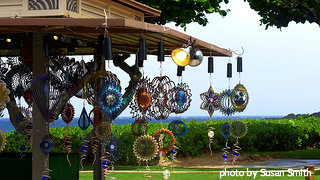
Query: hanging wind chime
pixel 239 99
pixel 211 101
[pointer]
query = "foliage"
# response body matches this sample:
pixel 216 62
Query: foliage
pixel 280 12
pixel 183 12
pixel 263 135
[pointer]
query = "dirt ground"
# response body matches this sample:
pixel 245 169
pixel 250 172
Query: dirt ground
pixel 216 160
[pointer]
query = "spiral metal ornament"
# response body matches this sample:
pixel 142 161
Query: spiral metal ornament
pixel 236 153
pixel 140 104
pixel 95 116
pixel 67 113
pixel 226 106
pixel 145 148
pixel 4 95
pixel 239 97
pixel 67 146
pixel 19 80
pixel 72 73
pixel 178 128
pixel 94 83
pixel 139 127
pixel 103 131
pixel 180 98
pixel 2 140
pixel 211 101
pixel 110 99
pixel 114 148
pixel 165 140
pixel 225 131
pixel 160 107
pixel 83 152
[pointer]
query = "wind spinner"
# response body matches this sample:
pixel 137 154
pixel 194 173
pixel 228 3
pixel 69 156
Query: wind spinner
pixel 4 96
pixel 67 115
pixel 239 99
pixel 211 101
pixel 225 131
pixel 145 148
pixel 227 108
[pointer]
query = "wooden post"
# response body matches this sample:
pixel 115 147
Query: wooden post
pixel 311 169
pixel 39 124
pixel 97 166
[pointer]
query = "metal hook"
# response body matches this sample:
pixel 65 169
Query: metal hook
pixel 235 52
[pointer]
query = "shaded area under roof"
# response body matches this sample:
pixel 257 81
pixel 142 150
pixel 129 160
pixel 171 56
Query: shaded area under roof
pixel 125 33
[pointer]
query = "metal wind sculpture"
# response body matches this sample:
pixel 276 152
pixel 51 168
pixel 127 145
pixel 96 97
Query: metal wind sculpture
pixel 225 131
pixel 67 115
pixel 227 108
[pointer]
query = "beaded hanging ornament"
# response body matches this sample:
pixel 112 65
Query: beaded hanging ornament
pixel 160 107
pixel 139 127
pixel 2 140
pixel 140 104
pixel 225 131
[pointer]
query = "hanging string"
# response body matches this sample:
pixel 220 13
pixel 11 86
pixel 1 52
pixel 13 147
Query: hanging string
pixel 160 68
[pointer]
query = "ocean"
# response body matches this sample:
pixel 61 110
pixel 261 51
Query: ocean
pixel 5 124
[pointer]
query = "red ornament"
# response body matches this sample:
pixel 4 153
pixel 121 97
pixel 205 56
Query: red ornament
pixel 67 113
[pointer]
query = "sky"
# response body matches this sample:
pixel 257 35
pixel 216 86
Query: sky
pixel 281 68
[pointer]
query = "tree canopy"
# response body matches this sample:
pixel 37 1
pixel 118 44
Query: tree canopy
pixel 273 12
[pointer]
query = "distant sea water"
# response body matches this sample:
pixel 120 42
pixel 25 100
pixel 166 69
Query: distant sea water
pixel 5 124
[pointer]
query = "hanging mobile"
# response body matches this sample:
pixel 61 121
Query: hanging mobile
pixel 211 101
pixel 225 131
pixel 227 108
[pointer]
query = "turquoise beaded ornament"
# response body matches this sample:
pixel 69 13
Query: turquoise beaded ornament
pixel 110 99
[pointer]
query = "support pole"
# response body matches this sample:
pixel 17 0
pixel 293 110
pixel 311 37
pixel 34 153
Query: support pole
pixel 97 167
pixel 39 124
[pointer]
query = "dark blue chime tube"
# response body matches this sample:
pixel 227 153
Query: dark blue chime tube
pixel 161 51
pixel 107 48
pixel 179 70
pixel 210 65
pixel 239 64
pixel 229 70
pixel 142 49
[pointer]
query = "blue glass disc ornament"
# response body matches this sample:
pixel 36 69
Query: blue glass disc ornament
pixel 180 98
pixel 23 148
pixel 226 106
pixel 225 130
pixel 110 99
pixel 83 149
pixel 46 145
pixel 178 128
pixel 84 121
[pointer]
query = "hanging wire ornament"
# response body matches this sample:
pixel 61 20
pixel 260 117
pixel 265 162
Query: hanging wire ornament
pixel 19 80
pixel 94 83
pixel 165 140
pixel 95 116
pixel 2 140
pixel 70 71
pixel 179 98
pixel 46 145
pixel 114 147
pixel 160 107
pixel 46 91
pixel 238 129
pixel 226 106
pixel 140 104
pixel 139 127
pixel 45 173
pixel 67 113
pixel 103 131
pixel 225 131
pixel 4 96
pixel 83 152
pixel 239 97
pixel 110 99
pixel 211 101
pixel 178 128
pixel 145 148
